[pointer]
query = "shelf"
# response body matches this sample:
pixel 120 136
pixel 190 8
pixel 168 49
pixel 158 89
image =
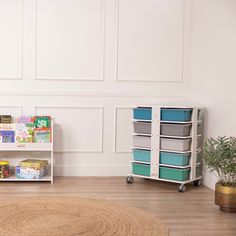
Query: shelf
pixel 176 137
pixel 141 148
pixel 141 134
pixel 166 106
pixel 167 180
pixel 26 147
pixel 164 150
pixel 168 121
pixel 141 162
pixel 14 178
pixel 149 121
pixel 176 122
pixel 176 181
pixel 144 176
pixel 166 136
pixel 179 167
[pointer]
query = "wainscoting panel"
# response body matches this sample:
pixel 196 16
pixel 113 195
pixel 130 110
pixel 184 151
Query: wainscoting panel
pixel 77 129
pixel 123 129
pixel 69 39
pixel 150 38
pixel 11 39
pixel 11 110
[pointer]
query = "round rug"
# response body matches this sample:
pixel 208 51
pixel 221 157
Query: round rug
pixel 75 216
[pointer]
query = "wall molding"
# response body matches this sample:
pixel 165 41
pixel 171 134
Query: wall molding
pixel 100 148
pixel 19 75
pixel 96 93
pixel 102 49
pixel 148 80
pixel 115 149
pixel 13 106
pixel 91 170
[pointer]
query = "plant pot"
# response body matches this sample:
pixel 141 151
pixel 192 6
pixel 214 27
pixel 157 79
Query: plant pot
pixel 225 197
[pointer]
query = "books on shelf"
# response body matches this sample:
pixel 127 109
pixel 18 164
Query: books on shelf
pixel 27 129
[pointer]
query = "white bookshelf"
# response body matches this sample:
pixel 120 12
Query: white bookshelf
pixel 30 147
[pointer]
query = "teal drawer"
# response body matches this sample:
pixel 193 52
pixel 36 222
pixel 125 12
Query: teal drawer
pixel 176 159
pixel 141 155
pixel 174 114
pixel 141 169
pixel 142 113
pixel 174 173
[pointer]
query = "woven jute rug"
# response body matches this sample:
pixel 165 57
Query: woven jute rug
pixel 75 216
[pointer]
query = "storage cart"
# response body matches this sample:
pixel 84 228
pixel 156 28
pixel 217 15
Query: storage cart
pixel 166 144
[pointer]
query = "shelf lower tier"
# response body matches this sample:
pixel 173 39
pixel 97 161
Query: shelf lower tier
pixel 167 180
pixel 14 178
pixel 26 147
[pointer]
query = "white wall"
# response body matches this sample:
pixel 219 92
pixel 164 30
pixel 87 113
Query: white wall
pixel 213 65
pixel 85 62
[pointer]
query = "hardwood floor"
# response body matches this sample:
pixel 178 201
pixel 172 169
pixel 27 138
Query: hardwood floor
pixel 190 213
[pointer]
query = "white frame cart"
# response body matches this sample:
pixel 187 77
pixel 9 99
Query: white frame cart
pixel 30 147
pixel 155 145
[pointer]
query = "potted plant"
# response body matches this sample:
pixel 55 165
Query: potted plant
pixel 220 158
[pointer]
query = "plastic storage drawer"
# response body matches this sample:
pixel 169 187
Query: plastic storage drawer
pixel 170 114
pixel 176 159
pixel 142 127
pixel 174 173
pixel 175 144
pixel 141 169
pixel 142 141
pixel 175 129
pixel 141 155
pixel 142 113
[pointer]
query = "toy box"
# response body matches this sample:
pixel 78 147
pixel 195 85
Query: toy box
pixel 42 135
pixel 21 175
pixel 30 173
pixel 43 121
pixel 7 136
pixel 5 119
pixel 34 163
pixel 25 119
pixel 24 133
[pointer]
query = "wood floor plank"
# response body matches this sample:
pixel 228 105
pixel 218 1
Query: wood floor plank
pixel 186 214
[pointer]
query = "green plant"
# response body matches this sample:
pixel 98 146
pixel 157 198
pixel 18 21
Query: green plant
pixel 220 157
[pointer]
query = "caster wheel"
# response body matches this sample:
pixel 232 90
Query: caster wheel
pixel 182 188
pixel 197 182
pixel 129 179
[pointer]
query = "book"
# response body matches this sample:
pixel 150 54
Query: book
pixel 43 121
pixel 24 133
pixel 25 119
pixel 5 119
pixel 42 135
pixel 7 136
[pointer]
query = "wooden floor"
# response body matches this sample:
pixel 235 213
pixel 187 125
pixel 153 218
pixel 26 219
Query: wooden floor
pixel 190 213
